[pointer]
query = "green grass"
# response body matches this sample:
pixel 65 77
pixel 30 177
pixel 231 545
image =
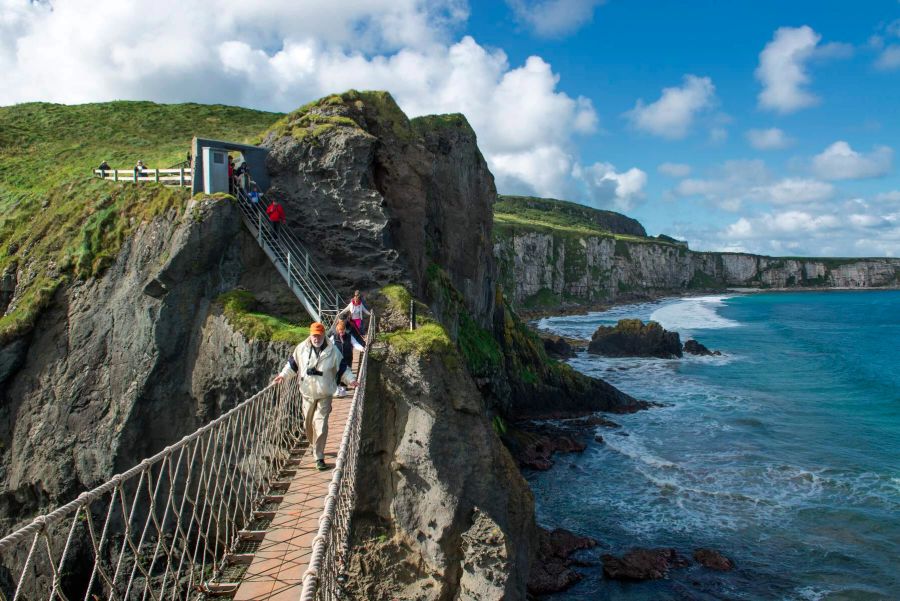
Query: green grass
pixel 313 120
pixel 398 298
pixel 238 307
pixel 426 340
pixel 558 216
pixel 57 221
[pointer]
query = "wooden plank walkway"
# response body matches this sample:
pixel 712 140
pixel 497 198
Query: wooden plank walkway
pixel 277 569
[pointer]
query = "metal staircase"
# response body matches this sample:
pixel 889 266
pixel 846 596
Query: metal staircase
pixel 320 299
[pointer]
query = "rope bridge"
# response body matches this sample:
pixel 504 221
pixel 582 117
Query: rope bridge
pixel 180 523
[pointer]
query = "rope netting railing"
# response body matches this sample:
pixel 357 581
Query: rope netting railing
pixel 326 576
pixel 169 526
pixel 320 298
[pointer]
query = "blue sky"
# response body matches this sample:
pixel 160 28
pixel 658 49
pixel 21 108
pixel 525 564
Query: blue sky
pixel 766 127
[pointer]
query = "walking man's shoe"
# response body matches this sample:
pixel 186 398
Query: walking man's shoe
pixel 320 465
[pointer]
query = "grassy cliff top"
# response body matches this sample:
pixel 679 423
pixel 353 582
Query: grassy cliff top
pixel 517 213
pixel 57 221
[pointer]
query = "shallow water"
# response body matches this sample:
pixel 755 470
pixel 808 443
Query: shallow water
pixel 784 453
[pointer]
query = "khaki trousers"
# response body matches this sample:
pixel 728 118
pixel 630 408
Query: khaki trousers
pixel 315 421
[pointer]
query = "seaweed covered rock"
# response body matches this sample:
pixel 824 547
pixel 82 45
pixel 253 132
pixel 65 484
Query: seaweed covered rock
pixel 642 564
pixel 633 338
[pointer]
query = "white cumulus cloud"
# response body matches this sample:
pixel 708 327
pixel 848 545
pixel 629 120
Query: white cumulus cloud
pixel 783 67
pixel 737 183
pixel 608 187
pixel 840 161
pixel 554 18
pixel 280 54
pixel 673 114
pixel 768 139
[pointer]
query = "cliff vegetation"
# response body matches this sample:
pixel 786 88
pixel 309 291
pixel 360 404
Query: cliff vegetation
pixel 57 222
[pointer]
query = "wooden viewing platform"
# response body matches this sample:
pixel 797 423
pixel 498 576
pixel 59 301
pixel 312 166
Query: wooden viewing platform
pixel 277 565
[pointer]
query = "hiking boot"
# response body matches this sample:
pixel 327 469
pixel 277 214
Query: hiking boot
pixel 320 465
pixel 341 391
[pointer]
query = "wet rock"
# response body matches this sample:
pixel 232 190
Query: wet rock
pixel 643 564
pixel 551 571
pixel 633 338
pixel 558 347
pixel 599 439
pixel 695 348
pixel 712 559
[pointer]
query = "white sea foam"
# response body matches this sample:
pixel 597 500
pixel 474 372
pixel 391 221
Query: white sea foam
pixel 699 313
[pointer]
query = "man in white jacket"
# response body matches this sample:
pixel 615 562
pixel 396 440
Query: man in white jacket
pixel 316 361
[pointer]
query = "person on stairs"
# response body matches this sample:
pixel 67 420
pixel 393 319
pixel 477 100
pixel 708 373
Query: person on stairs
pixel 316 361
pixel 276 217
pixel 346 339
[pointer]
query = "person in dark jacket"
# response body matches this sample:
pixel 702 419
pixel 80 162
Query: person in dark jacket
pixel 346 340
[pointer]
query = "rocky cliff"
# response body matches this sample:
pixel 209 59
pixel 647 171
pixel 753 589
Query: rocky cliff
pixel 120 365
pixel 403 210
pixel 546 266
pixel 140 351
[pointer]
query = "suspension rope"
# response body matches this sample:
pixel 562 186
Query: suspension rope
pixel 326 571
pixel 164 528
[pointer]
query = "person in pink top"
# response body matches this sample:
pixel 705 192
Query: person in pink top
pixel 356 309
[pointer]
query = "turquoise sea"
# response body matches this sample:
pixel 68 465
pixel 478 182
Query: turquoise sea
pixel 784 453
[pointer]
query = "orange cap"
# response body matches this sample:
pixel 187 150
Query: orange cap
pixel 316 328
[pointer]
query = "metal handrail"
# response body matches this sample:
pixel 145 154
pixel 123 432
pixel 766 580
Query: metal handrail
pixel 318 295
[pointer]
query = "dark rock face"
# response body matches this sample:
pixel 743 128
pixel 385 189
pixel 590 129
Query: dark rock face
pixel 112 373
pixel 551 571
pixel 695 348
pixel 558 347
pixel 642 564
pixel 713 560
pixel 454 518
pixel 377 203
pixel 632 338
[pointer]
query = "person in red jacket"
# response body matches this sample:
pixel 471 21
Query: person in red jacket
pixel 276 216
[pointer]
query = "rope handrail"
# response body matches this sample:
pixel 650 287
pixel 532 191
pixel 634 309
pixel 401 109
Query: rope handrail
pixel 325 573
pixel 165 526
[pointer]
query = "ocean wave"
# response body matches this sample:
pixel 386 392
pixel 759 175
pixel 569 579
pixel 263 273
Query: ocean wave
pixel 689 314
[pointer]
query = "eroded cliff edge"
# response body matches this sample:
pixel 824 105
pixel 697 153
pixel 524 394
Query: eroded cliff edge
pixel 554 255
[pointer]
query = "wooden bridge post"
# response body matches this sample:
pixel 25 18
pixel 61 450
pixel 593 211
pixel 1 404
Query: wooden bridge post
pixel 181 181
pixel 289 270
pixel 115 175
pixel 157 175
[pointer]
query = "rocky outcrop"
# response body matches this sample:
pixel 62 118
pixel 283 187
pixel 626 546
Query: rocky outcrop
pixel 121 365
pixel 553 271
pixel 552 570
pixel 692 347
pixel 378 198
pixel 642 564
pixel 442 511
pixel 712 559
pixel 633 338
pixel 558 347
